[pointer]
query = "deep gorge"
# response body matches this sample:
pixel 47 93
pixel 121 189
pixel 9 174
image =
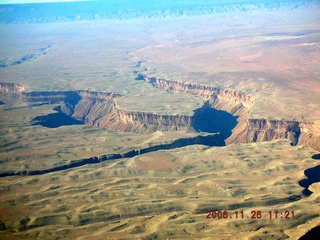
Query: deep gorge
pixel 224 114
pixel 247 130
pixel 230 108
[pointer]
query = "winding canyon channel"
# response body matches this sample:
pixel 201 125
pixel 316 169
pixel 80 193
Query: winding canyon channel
pixel 224 116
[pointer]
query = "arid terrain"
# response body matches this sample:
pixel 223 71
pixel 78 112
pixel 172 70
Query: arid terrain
pixel 147 121
pixel 166 194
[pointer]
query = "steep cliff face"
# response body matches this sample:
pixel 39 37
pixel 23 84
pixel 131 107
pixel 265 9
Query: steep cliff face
pixel 260 130
pixel 10 93
pixel 11 87
pixel 97 109
pixel 310 135
pixel 102 110
pixel 234 102
pixel 152 122
pixel 15 93
pixel 247 130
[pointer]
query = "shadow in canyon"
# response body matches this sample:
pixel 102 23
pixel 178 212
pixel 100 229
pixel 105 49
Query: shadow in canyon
pixel 55 120
pixel 213 121
pixel 312 234
pixel 316 156
pixel 313 176
pixel 209 140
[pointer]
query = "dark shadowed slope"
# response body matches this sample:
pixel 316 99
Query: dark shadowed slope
pixel 313 234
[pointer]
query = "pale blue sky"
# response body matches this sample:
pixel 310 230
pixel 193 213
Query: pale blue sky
pixel 36 1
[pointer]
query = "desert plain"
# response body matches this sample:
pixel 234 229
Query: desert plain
pixel 78 83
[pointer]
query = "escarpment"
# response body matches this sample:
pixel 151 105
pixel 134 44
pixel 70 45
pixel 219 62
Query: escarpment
pixel 310 134
pixel 247 130
pixel 260 130
pixel 10 92
pixel 104 112
pixel 231 101
pixel 11 87
pixel 100 109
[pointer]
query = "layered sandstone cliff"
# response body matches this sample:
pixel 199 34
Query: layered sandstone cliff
pixel 231 101
pixel 10 93
pixel 259 130
pixel 11 87
pixel 247 130
pixel 310 134
pixel 100 109
pixel 104 112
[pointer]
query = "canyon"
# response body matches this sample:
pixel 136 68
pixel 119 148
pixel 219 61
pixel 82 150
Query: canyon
pixel 101 109
pixel 208 140
pixel 132 120
pixel 248 129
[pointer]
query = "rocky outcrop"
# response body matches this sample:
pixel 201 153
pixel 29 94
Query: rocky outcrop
pixel 99 109
pixel 259 130
pixel 151 122
pixel 15 93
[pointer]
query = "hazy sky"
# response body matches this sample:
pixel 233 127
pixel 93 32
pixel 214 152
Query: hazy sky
pixel 36 1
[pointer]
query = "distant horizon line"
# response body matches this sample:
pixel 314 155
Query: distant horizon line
pixel 62 1
pixel 41 1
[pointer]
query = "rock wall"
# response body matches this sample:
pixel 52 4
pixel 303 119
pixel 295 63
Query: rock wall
pixel 260 130
pixel 100 109
pixel 11 87
pixel 248 130
pixel 231 101
pixel 104 112
pixel 10 93
pixel 310 134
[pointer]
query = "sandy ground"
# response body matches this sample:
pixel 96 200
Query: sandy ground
pixel 166 194
pixel 24 146
pixel 272 57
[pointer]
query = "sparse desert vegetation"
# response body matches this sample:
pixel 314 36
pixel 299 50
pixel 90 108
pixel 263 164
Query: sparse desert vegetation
pixel 166 194
pixel 91 81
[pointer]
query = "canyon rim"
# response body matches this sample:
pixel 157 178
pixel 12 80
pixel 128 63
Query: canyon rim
pixel 146 120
